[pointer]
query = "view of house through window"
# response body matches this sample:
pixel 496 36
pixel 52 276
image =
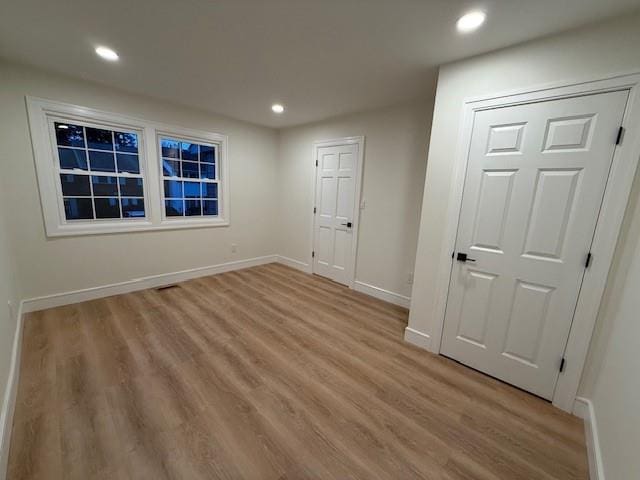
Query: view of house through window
pixel 100 174
pixel 190 178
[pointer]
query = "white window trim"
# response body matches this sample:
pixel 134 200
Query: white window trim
pixel 40 110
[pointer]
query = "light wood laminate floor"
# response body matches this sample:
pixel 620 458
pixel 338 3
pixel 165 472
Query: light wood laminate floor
pixel 266 373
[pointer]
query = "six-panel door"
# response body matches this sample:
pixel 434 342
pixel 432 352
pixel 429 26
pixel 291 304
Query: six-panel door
pixel 535 180
pixel 335 203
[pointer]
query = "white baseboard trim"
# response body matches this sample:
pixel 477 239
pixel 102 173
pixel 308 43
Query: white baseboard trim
pixel 583 408
pixel 417 338
pixel 10 393
pixel 358 286
pixel 77 296
pixel 297 264
pixel 382 294
pixel 153 281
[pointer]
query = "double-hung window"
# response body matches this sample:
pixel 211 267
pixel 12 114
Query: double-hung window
pixel 104 173
pixel 99 170
pixel 190 183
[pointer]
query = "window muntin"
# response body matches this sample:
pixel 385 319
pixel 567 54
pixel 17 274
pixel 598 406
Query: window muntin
pixel 190 174
pixel 99 172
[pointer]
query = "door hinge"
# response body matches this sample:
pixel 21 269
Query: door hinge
pixel 620 135
pixel 562 364
pixel 314 209
pixel 313 254
pixel 316 163
pixel 587 262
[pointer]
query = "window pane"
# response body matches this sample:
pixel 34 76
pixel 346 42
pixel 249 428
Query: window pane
pixel 69 135
pixel 193 207
pixel 100 139
pixel 170 148
pixel 171 168
pixel 126 142
pixel 174 208
pixel 192 193
pixel 101 169
pixel 131 187
pixel 190 170
pixel 75 185
pixel 210 207
pixel 107 208
pixel 78 208
pixel 72 158
pixel 207 154
pixel 210 190
pixel 128 163
pixel 102 161
pixel 132 207
pixel 192 189
pixel 189 151
pixel 173 189
pixel 208 171
pixel 104 186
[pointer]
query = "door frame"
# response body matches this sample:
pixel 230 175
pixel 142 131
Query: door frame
pixel 336 142
pixel 614 203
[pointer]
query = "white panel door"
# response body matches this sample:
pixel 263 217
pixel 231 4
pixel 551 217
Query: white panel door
pixel 535 180
pixel 335 207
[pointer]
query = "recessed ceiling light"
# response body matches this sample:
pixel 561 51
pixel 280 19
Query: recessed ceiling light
pixel 470 21
pixel 277 108
pixel 107 54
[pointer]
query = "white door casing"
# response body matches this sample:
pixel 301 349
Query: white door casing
pixel 535 180
pixel 336 208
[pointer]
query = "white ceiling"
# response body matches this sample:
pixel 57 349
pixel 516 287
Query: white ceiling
pixel 320 58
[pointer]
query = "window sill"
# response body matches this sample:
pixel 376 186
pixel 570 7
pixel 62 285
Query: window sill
pixel 143 226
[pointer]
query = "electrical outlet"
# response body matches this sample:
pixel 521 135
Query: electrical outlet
pixel 234 247
pixel 410 278
pixel 12 309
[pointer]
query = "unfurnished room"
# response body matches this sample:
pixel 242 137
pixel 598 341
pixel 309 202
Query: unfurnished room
pixel 320 239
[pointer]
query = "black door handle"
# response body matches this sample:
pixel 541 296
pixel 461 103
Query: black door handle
pixel 348 224
pixel 462 257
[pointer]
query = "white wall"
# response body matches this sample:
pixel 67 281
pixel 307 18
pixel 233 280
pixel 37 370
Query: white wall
pixel 48 266
pixel 593 52
pixel 271 192
pixel 611 376
pixel 7 294
pixel 396 142
pixel 7 318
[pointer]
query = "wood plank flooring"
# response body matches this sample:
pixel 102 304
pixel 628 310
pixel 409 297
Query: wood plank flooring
pixel 266 373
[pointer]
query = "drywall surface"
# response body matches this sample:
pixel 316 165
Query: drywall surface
pixel 48 266
pixel 395 153
pixel 271 179
pixel 589 53
pixel 8 319
pixel 7 294
pixel 610 378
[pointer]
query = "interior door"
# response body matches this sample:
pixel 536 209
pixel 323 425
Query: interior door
pixel 535 180
pixel 334 211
